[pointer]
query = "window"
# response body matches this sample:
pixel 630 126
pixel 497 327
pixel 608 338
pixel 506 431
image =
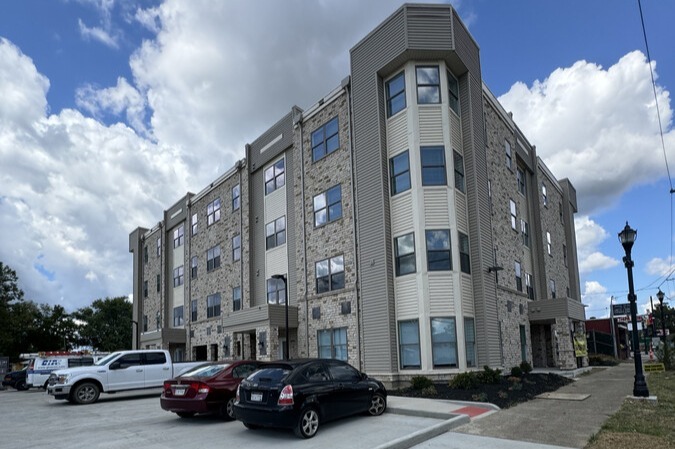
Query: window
pixel 333 343
pixel 159 246
pixel 520 176
pixel 507 150
pixel 560 208
pixel 459 171
pixel 519 277
pixel 464 257
pixel 193 223
pixel 438 250
pixel 236 298
pixel 344 373
pixel 544 196
pixel 409 344
pixel 213 258
pixel 276 291
pixel 470 341
pixel 158 320
pixel 330 274
pixel 213 212
pixel 145 323
pixel 428 85
pixel 528 285
pixel 565 254
pixel 548 243
pixel 145 289
pixel 453 93
pixel 399 166
pixel 213 305
pixel 236 247
pixel 443 342
pixel 159 283
pixel 193 267
pixel 552 286
pixel 275 176
pixel 178 236
pixel 395 89
pixel 525 230
pixel 512 207
pixel 193 310
pixel 433 166
pixel 145 254
pixel 328 206
pixel 178 276
pixel 177 316
pixel 325 140
pixel 236 197
pixel 275 232
pixel 404 247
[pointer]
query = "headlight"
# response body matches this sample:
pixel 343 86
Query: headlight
pixel 62 379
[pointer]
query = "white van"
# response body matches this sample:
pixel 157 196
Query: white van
pixel 42 366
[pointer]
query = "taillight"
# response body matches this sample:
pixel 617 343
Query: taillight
pixel 200 387
pixel 167 387
pixel 286 396
pixel 236 396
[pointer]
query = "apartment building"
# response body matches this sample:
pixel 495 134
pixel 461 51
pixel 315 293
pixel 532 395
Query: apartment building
pixel 403 223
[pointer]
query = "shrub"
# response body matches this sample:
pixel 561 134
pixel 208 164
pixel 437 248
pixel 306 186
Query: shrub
pixel 502 394
pixel 516 371
pixel 480 397
pixel 490 376
pixel 525 367
pixel 421 382
pixel 516 386
pixel 664 354
pixel 430 391
pixel 602 360
pixel 465 381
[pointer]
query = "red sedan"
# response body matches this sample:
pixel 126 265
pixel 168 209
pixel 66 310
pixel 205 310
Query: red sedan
pixel 207 388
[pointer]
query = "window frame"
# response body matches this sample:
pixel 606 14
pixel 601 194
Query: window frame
pixel 193 224
pixel 178 276
pixel 509 154
pixel 396 178
pixel 549 246
pixel 327 206
pixel 447 252
pixel 236 197
pixel 552 287
pixel 470 342
pixel 194 310
pixel 322 133
pixel 396 95
pixel 213 303
pixel 407 256
pixel 334 280
pixel 464 252
pixel 451 344
pixel 236 298
pixel 335 347
pixel 430 85
pixel 178 316
pixel 278 235
pixel 213 212
pixel 544 194
pixel 179 236
pixel 158 281
pixel 430 169
pixel 458 164
pixel 518 267
pixel 213 258
pixel 525 232
pixel 528 285
pixel 279 286
pixel 159 246
pixel 513 210
pixel 194 264
pixel 453 97
pixel 236 248
pixel 411 345
pixel 520 179
pixel 274 176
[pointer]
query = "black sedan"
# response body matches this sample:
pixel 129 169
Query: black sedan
pixel 16 379
pixel 301 394
pixel 208 388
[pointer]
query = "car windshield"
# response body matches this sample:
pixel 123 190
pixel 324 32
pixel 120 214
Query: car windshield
pixel 270 375
pixel 105 360
pixel 205 370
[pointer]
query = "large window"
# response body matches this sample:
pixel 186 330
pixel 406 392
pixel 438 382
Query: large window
pixel 528 285
pixel 438 250
pixel 213 305
pixel 470 341
pixel 520 177
pixel 519 276
pixel 236 298
pixel 330 274
pixel 193 310
pixel 453 93
pixel 275 176
pixel 551 284
pixel 509 156
pixel 464 257
pixel 193 224
pixel 178 236
pixel 433 166
pixel 514 214
pixel 395 88
pixel 213 258
pixel 459 171
pixel 325 140
pixel 428 85
pixel 178 276
pixel 328 206
pixel 548 243
pixel 525 230
pixel 444 342
pixel 236 197
pixel 276 291
pixel 275 232
pixel 404 246
pixel 213 212
pixel 236 247
pixel 399 166
pixel 177 316
pixel 333 344
pixel 193 267
pixel 409 344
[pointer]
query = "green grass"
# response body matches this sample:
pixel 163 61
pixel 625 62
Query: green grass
pixel 642 424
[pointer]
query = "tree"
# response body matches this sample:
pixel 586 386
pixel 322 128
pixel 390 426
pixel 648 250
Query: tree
pixel 106 324
pixel 10 296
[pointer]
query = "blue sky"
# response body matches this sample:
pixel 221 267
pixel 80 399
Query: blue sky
pixel 112 110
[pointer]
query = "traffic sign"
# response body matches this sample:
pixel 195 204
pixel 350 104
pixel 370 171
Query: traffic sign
pixel 621 309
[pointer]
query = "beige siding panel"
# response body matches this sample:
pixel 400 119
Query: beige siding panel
pixel 431 125
pixel 276 261
pixel 407 297
pixel 397 134
pixel 467 295
pixel 401 213
pixel 460 211
pixel 456 133
pixel 275 205
pixel 441 296
pixel 436 210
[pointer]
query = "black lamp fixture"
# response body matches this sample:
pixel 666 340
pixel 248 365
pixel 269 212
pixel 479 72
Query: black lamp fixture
pixel 660 295
pixel 627 238
pixel 282 277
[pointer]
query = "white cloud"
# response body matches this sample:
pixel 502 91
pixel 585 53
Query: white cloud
pixel 594 296
pixel 660 267
pixel 613 115
pixel 98 34
pixel 589 237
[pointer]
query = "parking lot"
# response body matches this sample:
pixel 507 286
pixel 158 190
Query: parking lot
pixel 135 420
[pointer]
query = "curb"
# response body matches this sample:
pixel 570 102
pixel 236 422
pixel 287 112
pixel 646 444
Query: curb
pixel 420 436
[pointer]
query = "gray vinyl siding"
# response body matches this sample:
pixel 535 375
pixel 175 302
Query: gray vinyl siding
pixel 429 28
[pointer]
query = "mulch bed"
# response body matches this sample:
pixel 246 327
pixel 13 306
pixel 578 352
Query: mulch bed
pixel 505 394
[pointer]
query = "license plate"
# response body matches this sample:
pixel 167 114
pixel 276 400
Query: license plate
pixel 256 397
pixel 179 391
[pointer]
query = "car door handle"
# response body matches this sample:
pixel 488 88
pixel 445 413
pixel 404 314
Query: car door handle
pixel 139 370
pixel 166 368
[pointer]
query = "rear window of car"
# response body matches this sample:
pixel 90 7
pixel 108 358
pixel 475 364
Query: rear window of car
pixel 270 375
pixel 205 370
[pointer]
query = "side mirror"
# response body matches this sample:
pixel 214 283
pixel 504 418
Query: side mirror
pixel 364 376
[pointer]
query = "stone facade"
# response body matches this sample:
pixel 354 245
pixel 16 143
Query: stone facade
pixel 153 307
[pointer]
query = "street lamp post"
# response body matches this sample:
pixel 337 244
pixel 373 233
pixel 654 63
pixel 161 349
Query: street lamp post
pixel 627 238
pixel 134 337
pixel 660 295
pixel 282 277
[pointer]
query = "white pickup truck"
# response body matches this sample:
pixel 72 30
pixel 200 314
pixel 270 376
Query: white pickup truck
pixel 120 371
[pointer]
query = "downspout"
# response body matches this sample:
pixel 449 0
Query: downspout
pixel 304 232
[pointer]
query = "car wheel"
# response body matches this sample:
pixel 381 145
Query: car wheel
pixel 251 426
pixel 21 385
pixel 378 404
pixel 185 414
pixel 44 387
pixel 227 410
pixel 308 424
pixel 85 393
